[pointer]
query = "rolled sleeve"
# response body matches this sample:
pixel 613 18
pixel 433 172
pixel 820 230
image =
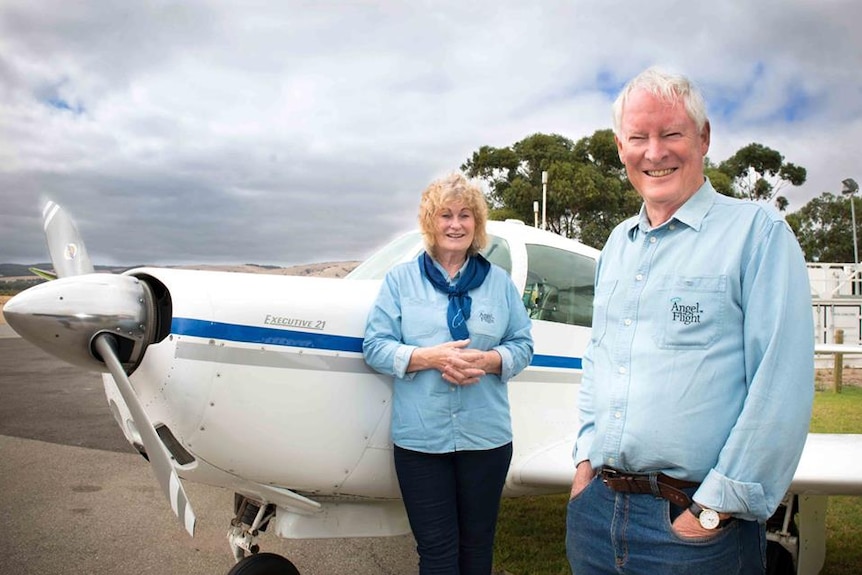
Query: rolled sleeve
pixel 402 360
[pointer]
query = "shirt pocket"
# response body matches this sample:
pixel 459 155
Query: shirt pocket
pixel 422 322
pixel 487 324
pixel 691 311
pixel 601 302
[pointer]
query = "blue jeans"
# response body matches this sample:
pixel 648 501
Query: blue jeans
pixel 452 501
pixel 621 533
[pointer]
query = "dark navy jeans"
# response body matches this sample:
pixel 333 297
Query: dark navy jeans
pixel 630 534
pixel 452 501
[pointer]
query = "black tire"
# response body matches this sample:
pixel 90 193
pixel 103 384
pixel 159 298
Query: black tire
pixel 778 560
pixel 264 564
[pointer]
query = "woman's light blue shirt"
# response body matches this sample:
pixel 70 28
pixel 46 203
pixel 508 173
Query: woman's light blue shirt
pixel 428 413
pixel 701 361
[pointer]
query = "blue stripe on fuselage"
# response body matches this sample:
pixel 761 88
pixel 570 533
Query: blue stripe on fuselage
pixel 277 336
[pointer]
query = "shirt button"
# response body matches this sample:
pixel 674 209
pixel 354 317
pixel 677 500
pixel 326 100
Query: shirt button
pixel 622 369
pixel 611 461
pixel 639 277
pixel 672 227
pixel 617 414
pixel 627 321
pixel 652 240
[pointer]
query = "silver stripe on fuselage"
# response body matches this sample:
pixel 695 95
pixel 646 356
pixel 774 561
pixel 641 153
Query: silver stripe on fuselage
pixel 310 360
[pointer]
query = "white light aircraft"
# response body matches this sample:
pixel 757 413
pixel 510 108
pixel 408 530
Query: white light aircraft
pixel 256 383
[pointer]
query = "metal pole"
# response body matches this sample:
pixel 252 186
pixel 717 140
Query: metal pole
pixel 850 188
pixel 853 216
pixel 535 214
pixel 544 200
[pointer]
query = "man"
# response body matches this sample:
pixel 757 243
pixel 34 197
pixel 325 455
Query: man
pixel 699 377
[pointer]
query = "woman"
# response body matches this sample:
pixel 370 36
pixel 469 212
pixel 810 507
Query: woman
pixel 452 330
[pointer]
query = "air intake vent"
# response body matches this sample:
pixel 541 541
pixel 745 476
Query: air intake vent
pixel 179 453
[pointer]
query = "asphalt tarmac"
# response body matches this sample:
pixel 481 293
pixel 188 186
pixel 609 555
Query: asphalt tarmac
pixel 76 499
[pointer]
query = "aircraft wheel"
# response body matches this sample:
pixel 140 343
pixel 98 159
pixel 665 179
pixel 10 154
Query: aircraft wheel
pixel 264 564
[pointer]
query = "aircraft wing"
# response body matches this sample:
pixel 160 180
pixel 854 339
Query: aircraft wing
pixel 831 464
pixel 551 467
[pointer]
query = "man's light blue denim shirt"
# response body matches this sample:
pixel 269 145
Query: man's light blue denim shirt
pixel 428 413
pixel 701 361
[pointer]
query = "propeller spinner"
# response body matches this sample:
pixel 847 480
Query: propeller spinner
pixel 101 322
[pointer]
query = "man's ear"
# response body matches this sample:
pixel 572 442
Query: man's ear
pixel 619 149
pixel 704 137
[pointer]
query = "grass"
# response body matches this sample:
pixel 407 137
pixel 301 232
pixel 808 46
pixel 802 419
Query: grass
pixel 531 531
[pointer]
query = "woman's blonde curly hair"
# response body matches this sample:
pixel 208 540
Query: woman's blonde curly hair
pixel 440 193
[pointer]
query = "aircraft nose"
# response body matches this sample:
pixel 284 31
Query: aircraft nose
pixel 63 316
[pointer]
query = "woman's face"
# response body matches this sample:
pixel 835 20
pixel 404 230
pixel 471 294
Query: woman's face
pixel 454 229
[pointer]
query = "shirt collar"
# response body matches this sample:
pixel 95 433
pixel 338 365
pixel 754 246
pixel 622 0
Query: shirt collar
pixel 691 213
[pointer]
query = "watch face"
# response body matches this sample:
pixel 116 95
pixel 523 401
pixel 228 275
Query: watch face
pixel 709 519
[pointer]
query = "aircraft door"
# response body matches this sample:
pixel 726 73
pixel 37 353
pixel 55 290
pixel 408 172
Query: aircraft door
pixel 559 285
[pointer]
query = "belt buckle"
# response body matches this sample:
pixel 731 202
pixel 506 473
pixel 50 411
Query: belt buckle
pixel 609 473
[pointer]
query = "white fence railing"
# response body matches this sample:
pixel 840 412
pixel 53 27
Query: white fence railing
pixel 836 293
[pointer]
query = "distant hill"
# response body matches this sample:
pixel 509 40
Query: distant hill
pixel 19 270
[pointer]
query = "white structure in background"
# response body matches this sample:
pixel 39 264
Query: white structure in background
pixel 836 292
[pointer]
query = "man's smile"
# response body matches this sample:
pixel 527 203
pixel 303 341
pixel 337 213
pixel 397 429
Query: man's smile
pixel 659 173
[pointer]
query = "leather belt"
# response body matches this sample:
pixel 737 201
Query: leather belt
pixel 654 483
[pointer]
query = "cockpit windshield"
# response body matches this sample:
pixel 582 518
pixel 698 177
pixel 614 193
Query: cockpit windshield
pixel 399 250
pixel 409 246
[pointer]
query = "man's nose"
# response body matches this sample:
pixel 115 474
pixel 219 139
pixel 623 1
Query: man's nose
pixel 656 150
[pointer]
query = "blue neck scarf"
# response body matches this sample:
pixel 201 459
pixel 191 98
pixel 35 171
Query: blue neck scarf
pixel 460 302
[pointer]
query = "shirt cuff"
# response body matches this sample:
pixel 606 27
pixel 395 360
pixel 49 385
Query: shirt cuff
pixel 741 499
pixel 402 360
pixel 507 367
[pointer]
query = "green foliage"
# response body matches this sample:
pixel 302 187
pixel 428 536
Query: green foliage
pixel 722 183
pixel 759 172
pixel 587 192
pixel 824 229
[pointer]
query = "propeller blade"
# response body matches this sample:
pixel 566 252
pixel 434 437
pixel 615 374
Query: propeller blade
pixel 45 275
pixel 160 459
pixel 68 252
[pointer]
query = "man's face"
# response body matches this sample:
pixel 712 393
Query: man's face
pixel 662 150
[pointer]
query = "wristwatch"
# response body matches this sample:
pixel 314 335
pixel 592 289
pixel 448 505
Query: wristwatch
pixel 708 518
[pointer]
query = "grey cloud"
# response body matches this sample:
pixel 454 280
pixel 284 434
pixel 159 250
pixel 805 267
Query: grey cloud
pixel 214 131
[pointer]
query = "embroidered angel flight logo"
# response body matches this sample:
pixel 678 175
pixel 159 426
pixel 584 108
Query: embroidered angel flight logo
pixel 684 314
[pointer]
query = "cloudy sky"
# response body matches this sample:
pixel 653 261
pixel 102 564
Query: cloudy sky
pixel 287 132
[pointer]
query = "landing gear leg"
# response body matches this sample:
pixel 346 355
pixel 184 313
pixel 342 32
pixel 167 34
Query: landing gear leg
pixel 252 517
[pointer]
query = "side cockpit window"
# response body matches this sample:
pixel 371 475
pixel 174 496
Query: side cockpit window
pixel 559 285
pixel 497 252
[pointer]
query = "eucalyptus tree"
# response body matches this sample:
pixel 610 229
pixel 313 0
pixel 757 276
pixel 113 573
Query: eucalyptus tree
pixel 587 190
pixel 758 173
pixel 824 228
